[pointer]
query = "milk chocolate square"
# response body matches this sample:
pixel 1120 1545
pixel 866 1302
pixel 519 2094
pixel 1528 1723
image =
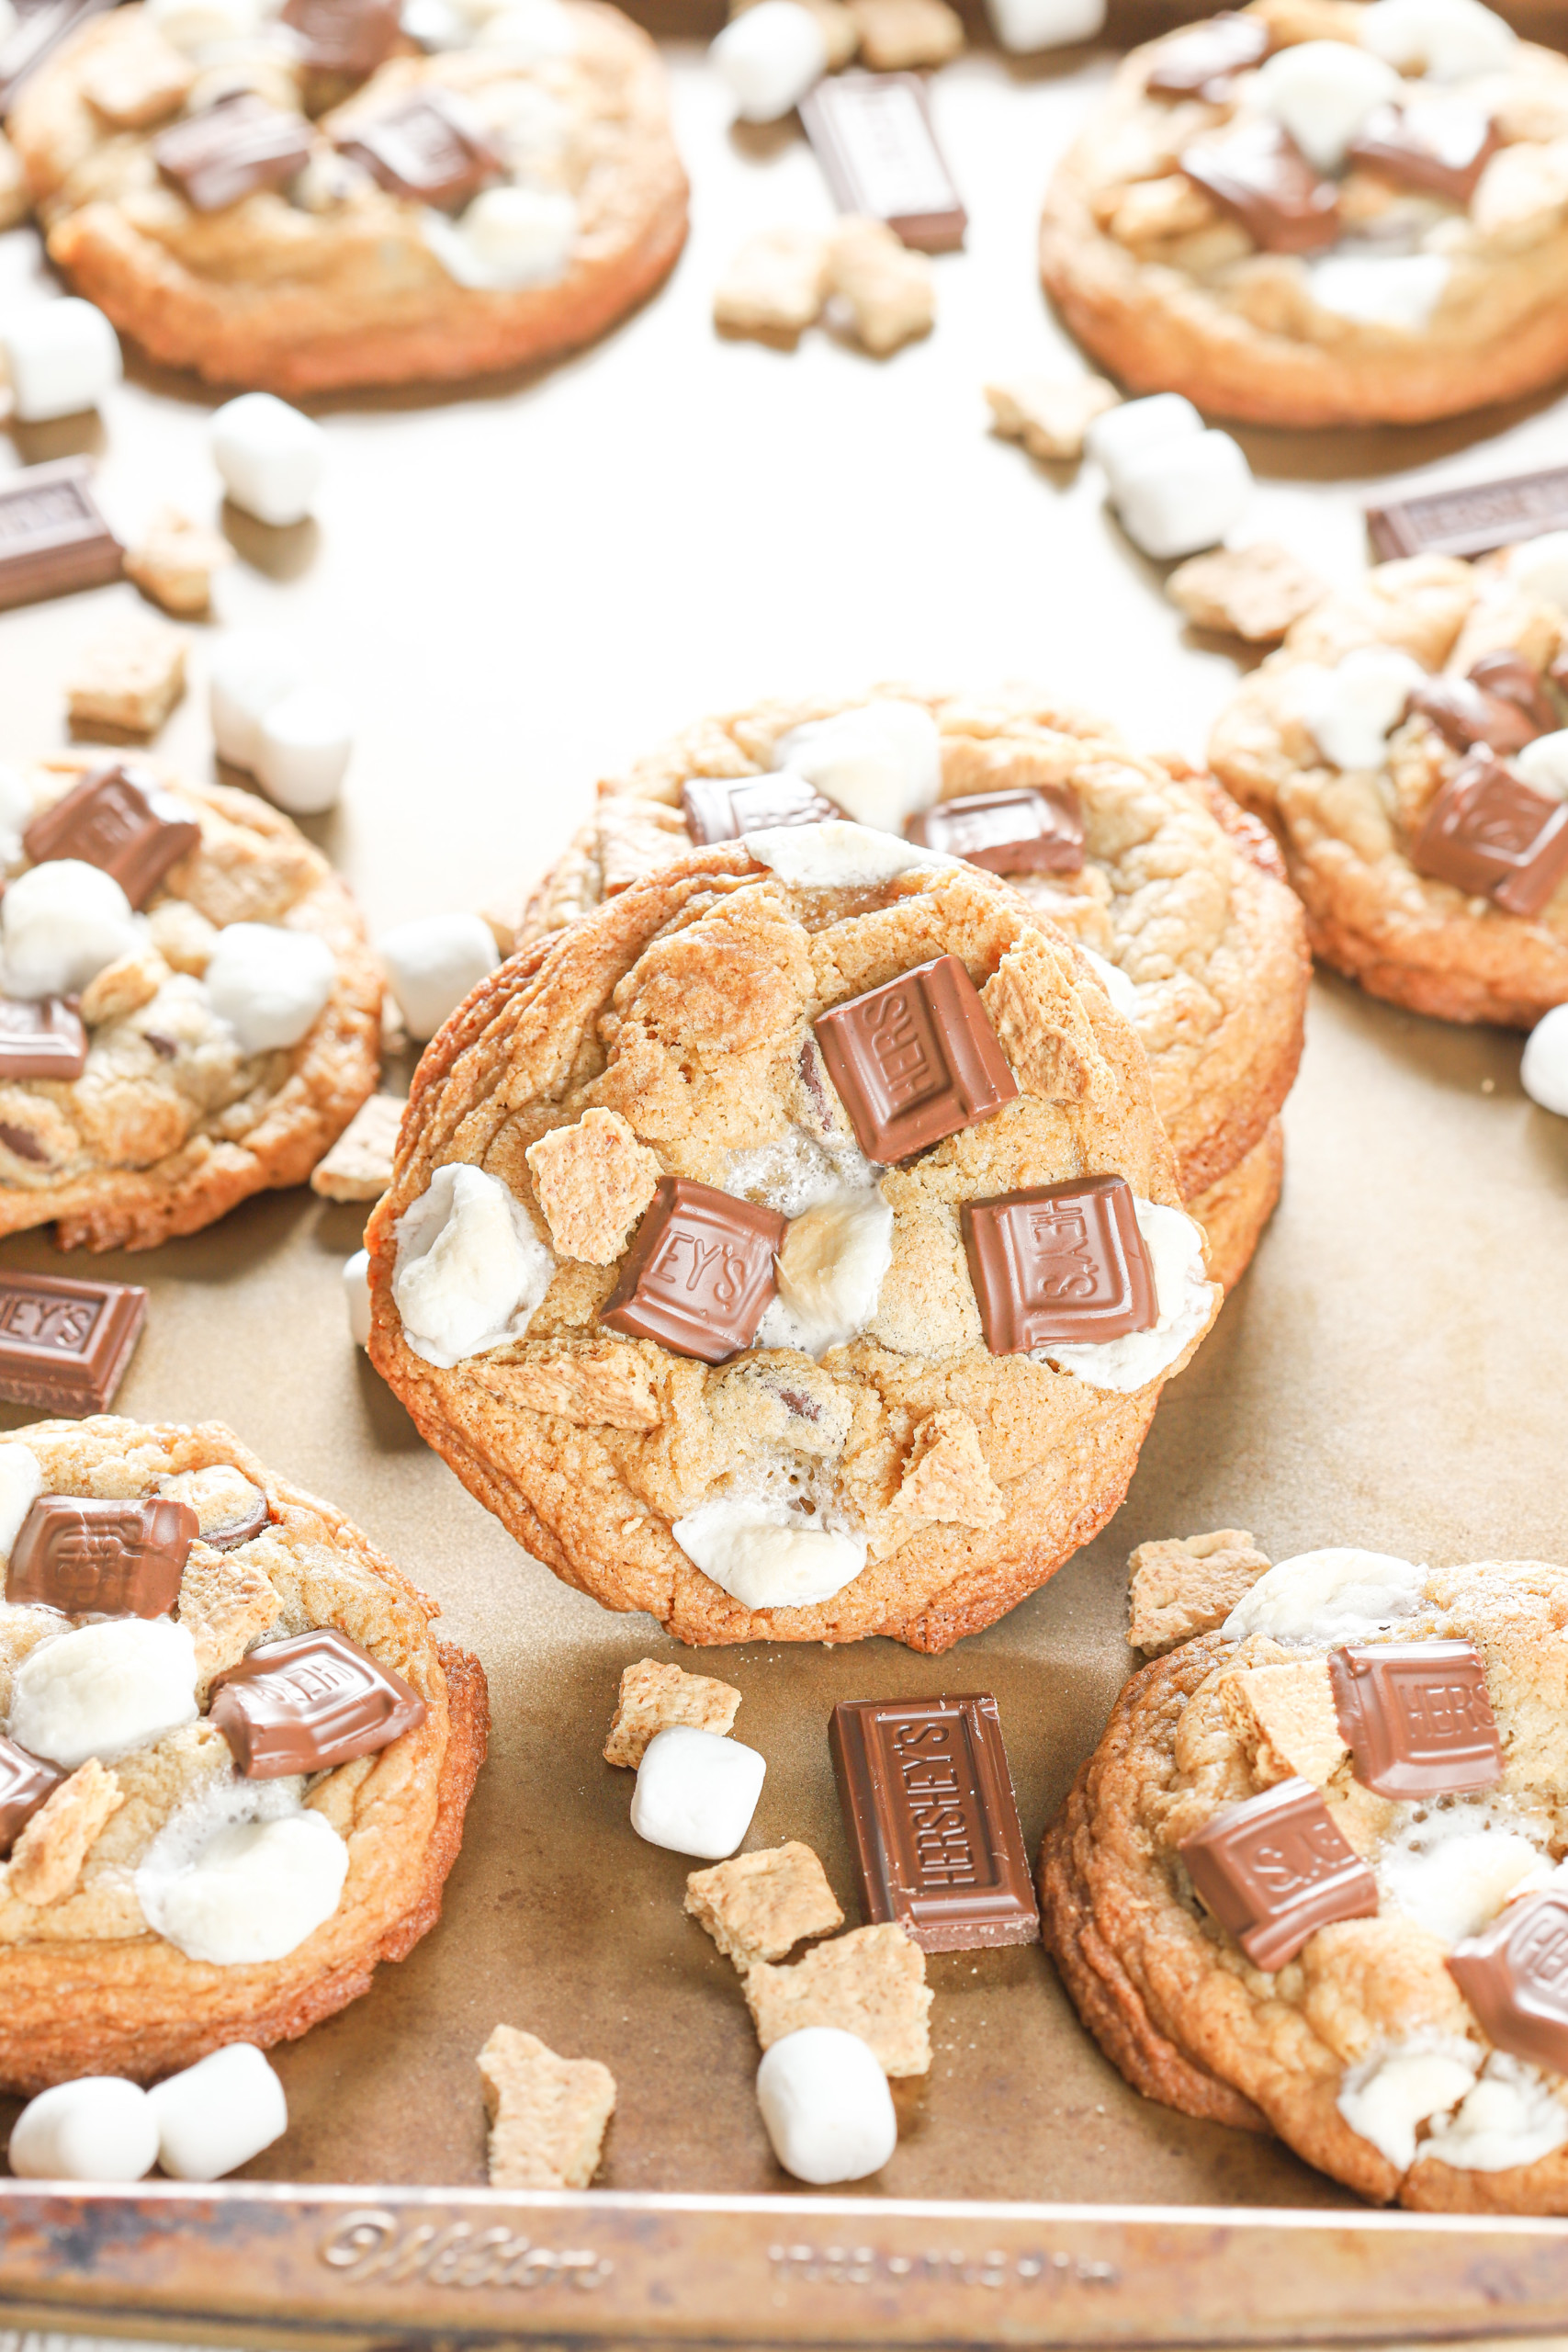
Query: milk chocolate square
pixel 41 1038
pixel 350 37
pixel 718 809
pixel 1465 714
pixel 53 538
pixel 1274 1869
pixel 1493 836
pixel 1472 519
pixel 430 150
pixel 25 1782
pixel 1441 149
pixel 117 818
pixel 1511 677
pixel 1064 1262
pixel 1256 172
pixel 1203 61
pixel 916 1060
pixel 230 150
pixel 1415 1717
pixel 101 1559
pixel 309 1703
pixel 871 134
pixel 64 1345
pixel 699 1273
pixel 1031 830
pixel 1514 1976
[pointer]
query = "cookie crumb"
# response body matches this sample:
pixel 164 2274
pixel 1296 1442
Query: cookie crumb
pixel 1254 593
pixel 547 2115
pixel 890 291
pixel 1285 1718
pixel 871 1983
pixel 775 287
pixel 359 1165
pixel 594 1179
pixel 134 83
pixel 125 685
pixel 47 1859
pixel 897 35
pixel 1050 415
pixel 756 1906
pixel 226 1603
pixel 174 562
pixel 653 1697
pixel 1188 1585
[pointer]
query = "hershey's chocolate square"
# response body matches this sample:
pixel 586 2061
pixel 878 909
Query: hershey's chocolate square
pixel 430 150
pixel 1441 149
pixel 1202 63
pixel 1029 829
pixel 699 1273
pixel 117 818
pixel 1256 172
pixel 1511 677
pixel 53 538
pixel 1493 835
pixel 871 134
pixel 1415 1717
pixel 1473 519
pixel 716 810
pixel 101 1559
pixel 41 1038
pixel 25 1782
pixel 1275 1869
pixel 1514 1976
pixel 349 37
pixel 230 150
pixel 1064 1262
pixel 64 1345
pixel 1465 714
pixel 311 1703
pixel 916 1060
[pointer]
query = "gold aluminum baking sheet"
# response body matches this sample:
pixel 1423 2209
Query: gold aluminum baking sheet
pixel 518 589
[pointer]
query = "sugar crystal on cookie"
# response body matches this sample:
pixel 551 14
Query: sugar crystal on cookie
pixel 1416 1717
pixel 1275 1869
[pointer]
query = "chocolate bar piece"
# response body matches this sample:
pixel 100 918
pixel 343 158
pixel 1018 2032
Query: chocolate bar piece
pixel 64 1345
pixel 872 136
pixel 699 1273
pixel 1472 519
pixel 350 37
pixel 117 819
pixel 1274 1869
pixel 41 1038
pixel 1493 836
pixel 1064 1262
pixel 1031 830
pixel 53 538
pixel 915 1061
pixel 932 1820
pixel 1415 1717
pixel 230 150
pixel 1257 174
pixel 1441 149
pixel 1465 714
pixel 1511 678
pixel 1514 1976
pixel 36 35
pixel 430 150
pixel 1202 63
pixel 235 1531
pixel 101 1559
pixel 311 1703
pixel 25 1782
pixel 720 811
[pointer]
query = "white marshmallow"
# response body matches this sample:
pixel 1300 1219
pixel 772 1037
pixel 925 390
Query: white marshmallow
pixel 508 236
pixel 62 923
pixel 1512 2117
pixel 770 58
pixel 1398 290
pixel 61 357
pixel 1350 711
pixel 1185 494
pixel 838 856
pixel 21 1483
pixel 103 1688
pixel 1543 1072
pixel 8 19
pixel 531 30
pixel 269 984
pixel 767 1555
pixel 303 744
pixel 1023 26
pixel 881 764
pixel 1385 2098
pixel 1458 1879
pixel 437 25
pixel 695 1793
pixel 1540 566
pixel 15 809
pixel 97 2128
pixel 251 672
pixel 471 1270
pixel 827 2105
pixel 830 1272
pixel 1182 1292
pixel 1544 763
pixel 1322 92
pixel 1339 1594
pixel 357 1291
pixel 218 2114
pixel 252 1891
pixel 432 964
pixel 1447 39
pixel 270 456
pixel 195 25
pixel 1122 992
pixel 1129 431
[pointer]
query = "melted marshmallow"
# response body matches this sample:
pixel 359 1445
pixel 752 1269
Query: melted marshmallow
pixel 1387 2097
pixel 1446 39
pixel 242 1876
pixel 103 1688
pixel 1512 2117
pixel 63 921
pixel 1322 92
pixel 1400 290
pixel 830 1272
pixel 838 856
pixel 764 1555
pixel 1540 566
pixel 21 1483
pixel 880 763
pixel 1184 1296
pixel 471 1270
pixel 1343 1595
pixel 1350 711
pixel 1452 1869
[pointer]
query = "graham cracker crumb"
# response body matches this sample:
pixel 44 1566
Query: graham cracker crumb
pixel 890 291
pixel 175 560
pixel 359 1165
pixel 896 35
pixel 756 1906
pixel 1049 415
pixel 594 1179
pixel 547 2115
pixel 1188 1585
pixel 122 986
pixel 653 1697
pixel 226 1602
pixel 1286 1721
pixel 871 1983
pixel 47 1859
pixel 134 83
pixel 947 1479
pixel 182 935
pixel 635 837
pixel 1254 593
pixel 126 684
pixel 775 287
pixel 612 1388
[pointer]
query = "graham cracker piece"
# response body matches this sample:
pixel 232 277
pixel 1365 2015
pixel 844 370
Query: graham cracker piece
pixel 1286 1719
pixel 756 1906
pixel 1188 1585
pixel 947 1479
pixel 133 84
pixel 871 1982
pixel 547 2115
pixel 123 986
pixel 635 837
pixel 890 291
pixel 226 1601
pixel 897 35
pixel 593 1180
pixel 775 287
pixel 653 1697
pixel 359 1165
pixel 1050 415
pixel 1254 593
pixel 124 685
pixel 611 1388
pixel 47 1859
pixel 175 560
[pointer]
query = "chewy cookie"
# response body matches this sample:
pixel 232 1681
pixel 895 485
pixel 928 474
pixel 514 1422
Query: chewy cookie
pixel 494 203
pixel 1311 1879
pixel 190 1014
pixel 1154 870
pixel 1320 212
pixel 1407 744
pixel 236 1759
pixel 791 1248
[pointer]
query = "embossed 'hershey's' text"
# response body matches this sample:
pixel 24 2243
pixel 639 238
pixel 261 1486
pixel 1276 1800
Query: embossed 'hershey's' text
pixel 370 2243
pixel 866 2265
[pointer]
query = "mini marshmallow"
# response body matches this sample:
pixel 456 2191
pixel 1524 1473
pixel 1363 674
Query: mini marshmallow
pixel 21 1483
pixel 62 923
pixel 61 357
pixel 1026 25
pixel 1183 1294
pixel 270 456
pixel 1183 494
pixel 830 1272
pixel 1459 1879
pixel 881 764
pixel 252 1891
pixel 1512 2117
pixel 838 856
pixel 251 672
pixel 1544 763
pixel 827 2105
pixel 269 984
pixel 695 1793
pixel 357 1291
pixel 303 744
pixel 218 2114
pixel 1540 566
pixel 1387 2098
pixel 1122 992
pixel 471 1270
pixel 508 237
pixel 1398 290
pixel 1122 434
pixel 194 25
pixel 1322 92
pixel 766 1554
pixel 96 2128
pixel 103 1688
pixel 1447 39
pixel 770 58
pixel 1543 1072
pixel 1338 1595
pixel 432 964
pixel 1350 711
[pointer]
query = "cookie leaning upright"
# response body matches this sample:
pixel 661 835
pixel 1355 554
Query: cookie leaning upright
pixel 1320 212
pixel 676 1268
